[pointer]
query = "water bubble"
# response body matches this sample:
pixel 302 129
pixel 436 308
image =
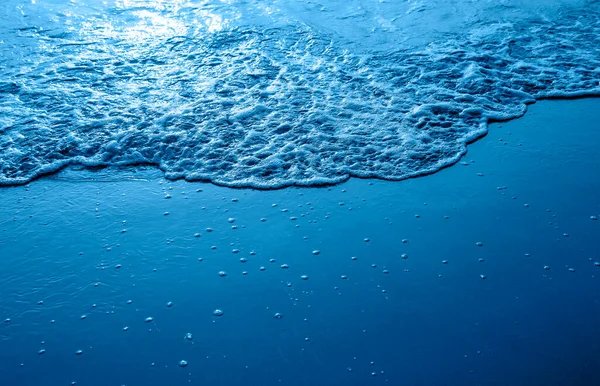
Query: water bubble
pixel 188 336
pixel 235 251
pixel 222 273
pixel 597 263
pixel 482 276
pixel 196 235
pixel 571 269
pixel 366 240
pixel 209 230
pixel 594 218
pixel 231 219
pixel 169 304
pixel 271 260
pixel 404 256
pixel 285 266
pixel 316 252
pixel 278 315
pixel 79 352
pixel 218 312
pixel 444 261
pixel 354 258
pixel 149 319
pixel 547 267
pixel 125 328
pixel 243 259
pixel 183 363
pixel 479 244
pixel 304 277
pixel 262 268
pixel 344 277
pixel 42 351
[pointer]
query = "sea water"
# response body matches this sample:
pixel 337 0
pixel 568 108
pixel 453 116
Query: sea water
pixel 113 272
pixel 271 94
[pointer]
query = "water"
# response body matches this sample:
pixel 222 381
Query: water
pixel 272 94
pixel 115 270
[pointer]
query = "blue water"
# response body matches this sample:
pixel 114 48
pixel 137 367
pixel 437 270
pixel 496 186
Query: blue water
pixel 518 192
pixel 113 264
pixel 272 94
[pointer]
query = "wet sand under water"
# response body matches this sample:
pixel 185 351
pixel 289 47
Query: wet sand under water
pixel 481 274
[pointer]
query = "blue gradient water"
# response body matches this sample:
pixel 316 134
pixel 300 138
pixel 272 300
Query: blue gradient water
pixel 485 273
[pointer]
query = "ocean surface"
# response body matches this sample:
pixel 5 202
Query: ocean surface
pixel 178 203
pixel 269 94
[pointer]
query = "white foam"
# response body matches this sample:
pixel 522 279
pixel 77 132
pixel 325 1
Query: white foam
pixel 268 108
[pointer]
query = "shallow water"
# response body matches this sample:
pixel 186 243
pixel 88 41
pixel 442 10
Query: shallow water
pixel 271 94
pixel 86 243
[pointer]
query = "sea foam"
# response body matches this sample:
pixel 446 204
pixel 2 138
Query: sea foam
pixel 258 107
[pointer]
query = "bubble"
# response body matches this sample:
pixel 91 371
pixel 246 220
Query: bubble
pixel 188 336
pixel 479 244
pixel 316 252
pixel 167 195
pixel 209 230
pixel 571 269
pixel 366 240
pixel 344 277
pixel 597 263
pixel 183 363
pixel 547 267
pixel 262 268
pixel 304 277
pixel 243 259
pixel 41 352
pixel 594 218
pixel 444 261
pixel 278 315
pixel 149 319
pixel 285 266
pixel 354 258
pixel 404 256
pixel 272 260
pixel 482 276
pixel 79 352
pixel 218 312
pixel 125 328
pixel 169 304
pixel 196 235
pixel 231 220
pixel 222 273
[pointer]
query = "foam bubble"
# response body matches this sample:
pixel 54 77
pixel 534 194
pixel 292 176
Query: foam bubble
pixel 268 108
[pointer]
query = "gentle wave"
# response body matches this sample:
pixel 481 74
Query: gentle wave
pixel 269 108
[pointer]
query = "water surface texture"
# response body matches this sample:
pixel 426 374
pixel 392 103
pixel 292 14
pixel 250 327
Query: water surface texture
pixel 275 93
